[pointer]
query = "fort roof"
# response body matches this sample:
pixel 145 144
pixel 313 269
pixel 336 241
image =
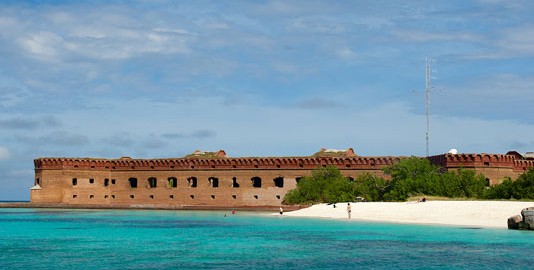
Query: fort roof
pixel 201 160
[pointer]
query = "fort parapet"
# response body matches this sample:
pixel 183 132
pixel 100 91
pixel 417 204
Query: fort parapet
pixel 213 180
pixel 495 167
pixel 200 179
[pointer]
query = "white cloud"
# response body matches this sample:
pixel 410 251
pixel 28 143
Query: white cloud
pixel 43 45
pixel 118 44
pixel 4 153
pixel 518 41
pixel 110 35
pixel 346 54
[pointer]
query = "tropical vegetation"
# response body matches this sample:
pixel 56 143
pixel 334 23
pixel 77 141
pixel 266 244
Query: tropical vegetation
pixel 409 177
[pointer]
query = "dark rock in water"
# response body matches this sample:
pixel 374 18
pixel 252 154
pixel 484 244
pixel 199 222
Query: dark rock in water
pixel 528 217
pixel 525 221
pixel 514 222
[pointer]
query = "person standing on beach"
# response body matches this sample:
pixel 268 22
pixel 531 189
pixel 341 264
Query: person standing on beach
pixel 281 211
pixel 349 209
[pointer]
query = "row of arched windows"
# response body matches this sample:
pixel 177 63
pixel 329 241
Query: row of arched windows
pixel 172 182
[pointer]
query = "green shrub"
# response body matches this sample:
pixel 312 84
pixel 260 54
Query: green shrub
pixel 522 188
pixel 370 187
pixel 409 177
pixel 325 185
pixel 416 176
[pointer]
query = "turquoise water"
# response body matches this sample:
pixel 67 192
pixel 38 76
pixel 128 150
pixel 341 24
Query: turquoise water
pixel 122 239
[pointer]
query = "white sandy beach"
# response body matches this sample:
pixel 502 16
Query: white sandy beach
pixel 457 213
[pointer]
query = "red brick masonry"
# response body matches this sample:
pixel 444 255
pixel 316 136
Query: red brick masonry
pixel 217 181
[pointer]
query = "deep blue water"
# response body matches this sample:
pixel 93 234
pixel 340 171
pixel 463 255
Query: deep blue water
pixel 138 239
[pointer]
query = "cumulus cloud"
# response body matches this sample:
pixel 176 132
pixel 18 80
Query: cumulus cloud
pixel 4 153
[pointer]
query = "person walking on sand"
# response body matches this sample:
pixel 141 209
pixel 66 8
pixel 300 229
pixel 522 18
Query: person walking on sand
pixel 349 209
pixel 281 211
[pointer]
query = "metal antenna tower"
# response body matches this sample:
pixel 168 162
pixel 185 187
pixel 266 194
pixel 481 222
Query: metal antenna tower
pixel 428 71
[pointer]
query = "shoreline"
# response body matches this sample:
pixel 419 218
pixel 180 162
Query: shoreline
pixel 483 214
pixel 144 206
pixel 474 214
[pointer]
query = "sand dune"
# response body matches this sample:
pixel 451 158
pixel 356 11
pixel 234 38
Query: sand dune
pixel 458 213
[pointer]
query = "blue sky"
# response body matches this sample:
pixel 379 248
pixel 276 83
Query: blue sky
pixel 151 79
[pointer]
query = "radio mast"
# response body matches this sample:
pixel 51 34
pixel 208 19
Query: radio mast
pixel 428 71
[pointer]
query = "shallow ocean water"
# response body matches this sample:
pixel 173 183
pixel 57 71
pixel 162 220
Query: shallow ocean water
pixel 143 239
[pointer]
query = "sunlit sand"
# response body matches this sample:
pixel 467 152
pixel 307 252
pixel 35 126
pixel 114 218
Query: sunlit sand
pixel 458 213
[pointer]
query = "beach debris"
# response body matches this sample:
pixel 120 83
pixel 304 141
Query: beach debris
pixel 525 221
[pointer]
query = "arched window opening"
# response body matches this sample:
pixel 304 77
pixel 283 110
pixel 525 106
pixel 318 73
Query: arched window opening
pixel 133 182
pixel 152 182
pixel 192 181
pixel 91 181
pixel 488 182
pixel 297 179
pixel 106 182
pixel 279 182
pixel 74 181
pixel 256 182
pixel 173 182
pixel 214 182
pixel 235 184
pixel 37 182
